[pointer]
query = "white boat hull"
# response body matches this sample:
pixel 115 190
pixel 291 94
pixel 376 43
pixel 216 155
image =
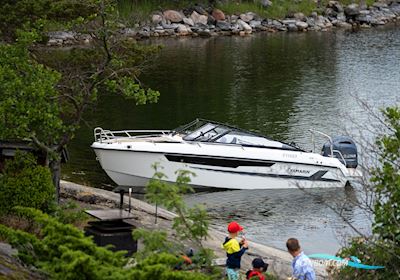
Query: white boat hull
pixel 134 168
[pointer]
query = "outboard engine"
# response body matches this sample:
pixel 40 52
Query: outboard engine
pixel 346 147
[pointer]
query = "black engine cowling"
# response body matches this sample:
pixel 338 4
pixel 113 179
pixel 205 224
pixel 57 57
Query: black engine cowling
pixel 346 146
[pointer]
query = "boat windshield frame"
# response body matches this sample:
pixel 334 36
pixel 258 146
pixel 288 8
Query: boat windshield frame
pixel 198 124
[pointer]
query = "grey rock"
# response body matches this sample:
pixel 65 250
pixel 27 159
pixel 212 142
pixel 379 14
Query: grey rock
pixel 170 32
pixel 188 21
pixel 344 25
pixel 314 15
pixel 129 32
pixel 170 26
pixel 234 18
pixel 341 17
pixel 255 24
pixel 352 10
pixel 201 26
pixel 200 10
pixel 143 34
pixel 156 19
pixel 311 22
pixel 299 16
pixel 292 27
pixel 301 25
pixel 330 12
pixel 289 21
pixel 197 18
pixel 160 31
pixel 277 24
pixel 244 25
pixel 204 33
pixel 247 17
pixel 62 35
pixel 395 8
pixel 336 6
pixel 210 20
pixel 380 5
pixel 183 29
pixel 266 3
pixel 224 26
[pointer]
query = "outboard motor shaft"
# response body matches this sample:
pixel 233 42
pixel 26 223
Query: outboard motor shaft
pixel 345 146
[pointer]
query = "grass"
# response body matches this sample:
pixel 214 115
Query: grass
pixel 139 10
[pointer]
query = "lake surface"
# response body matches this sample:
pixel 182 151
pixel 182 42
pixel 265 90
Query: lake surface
pixel 278 84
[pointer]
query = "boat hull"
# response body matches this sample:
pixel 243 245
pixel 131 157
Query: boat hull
pixel 134 168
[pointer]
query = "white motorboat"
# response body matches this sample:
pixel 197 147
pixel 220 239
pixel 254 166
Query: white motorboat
pixel 223 156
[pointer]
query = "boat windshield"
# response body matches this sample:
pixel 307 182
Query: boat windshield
pixel 208 131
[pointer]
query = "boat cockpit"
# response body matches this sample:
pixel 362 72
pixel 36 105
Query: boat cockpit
pixel 201 130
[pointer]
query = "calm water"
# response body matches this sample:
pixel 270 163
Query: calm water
pixel 278 84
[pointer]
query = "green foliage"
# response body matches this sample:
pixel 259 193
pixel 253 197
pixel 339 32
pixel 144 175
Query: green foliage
pixel 191 223
pixel 28 106
pixel 154 242
pixel 24 183
pixel 63 252
pixel 69 213
pixel 17 14
pixel 383 248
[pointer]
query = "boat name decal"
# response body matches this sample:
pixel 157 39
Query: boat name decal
pixel 295 170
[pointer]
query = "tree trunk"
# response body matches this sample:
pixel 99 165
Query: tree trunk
pixel 55 167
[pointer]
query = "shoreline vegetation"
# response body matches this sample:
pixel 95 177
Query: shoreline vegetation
pixel 148 19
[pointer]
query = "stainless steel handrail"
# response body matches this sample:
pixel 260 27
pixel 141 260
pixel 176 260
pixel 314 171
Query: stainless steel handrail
pixel 341 155
pixel 313 131
pixel 101 134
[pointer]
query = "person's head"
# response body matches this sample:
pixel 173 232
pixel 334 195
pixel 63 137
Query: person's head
pixel 293 246
pixel 234 228
pixel 259 265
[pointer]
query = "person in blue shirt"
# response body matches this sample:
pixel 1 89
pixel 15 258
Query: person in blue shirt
pixel 301 265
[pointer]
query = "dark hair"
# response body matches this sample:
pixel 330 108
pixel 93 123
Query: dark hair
pixel 292 245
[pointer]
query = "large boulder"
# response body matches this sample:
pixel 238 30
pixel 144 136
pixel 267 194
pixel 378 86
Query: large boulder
pixel 173 16
pixel 218 14
pixel 197 18
pixel 352 10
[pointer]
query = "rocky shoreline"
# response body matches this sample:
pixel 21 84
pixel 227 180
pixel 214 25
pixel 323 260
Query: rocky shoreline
pixel 198 21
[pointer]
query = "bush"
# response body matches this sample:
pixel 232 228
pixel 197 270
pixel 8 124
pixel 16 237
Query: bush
pixel 24 183
pixel 383 247
pixel 62 251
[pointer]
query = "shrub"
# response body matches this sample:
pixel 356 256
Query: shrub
pixel 24 183
pixel 62 251
pixel 383 248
